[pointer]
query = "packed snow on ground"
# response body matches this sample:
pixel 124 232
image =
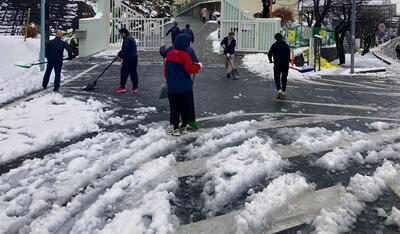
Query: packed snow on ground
pixel 103 178
pixel 379 126
pixel 393 218
pixel 46 121
pixel 360 190
pixel 259 212
pixel 234 169
pixel 216 44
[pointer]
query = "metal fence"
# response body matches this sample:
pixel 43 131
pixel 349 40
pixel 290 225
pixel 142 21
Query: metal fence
pixel 148 32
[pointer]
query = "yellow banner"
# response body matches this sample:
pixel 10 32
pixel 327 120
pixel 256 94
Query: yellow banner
pixel 322 33
pixel 291 35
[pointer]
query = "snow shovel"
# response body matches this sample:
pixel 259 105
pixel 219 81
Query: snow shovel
pixel 92 84
pixel 29 65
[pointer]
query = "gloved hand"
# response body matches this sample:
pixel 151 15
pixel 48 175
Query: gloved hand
pixel 201 65
pixel 228 55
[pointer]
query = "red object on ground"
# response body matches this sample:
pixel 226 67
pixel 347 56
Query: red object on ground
pixel 292 59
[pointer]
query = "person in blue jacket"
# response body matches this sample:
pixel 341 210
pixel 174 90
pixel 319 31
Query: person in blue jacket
pixel 129 56
pixel 178 68
pixel 229 46
pixel 174 31
pixel 54 53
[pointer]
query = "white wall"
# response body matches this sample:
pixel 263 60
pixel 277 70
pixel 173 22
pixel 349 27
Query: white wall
pixel 97 31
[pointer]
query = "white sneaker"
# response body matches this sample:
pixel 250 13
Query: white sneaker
pixel 184 130
pixel 176 133
pixel 279 93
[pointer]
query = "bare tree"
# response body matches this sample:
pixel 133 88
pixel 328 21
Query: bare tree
pixel 321 10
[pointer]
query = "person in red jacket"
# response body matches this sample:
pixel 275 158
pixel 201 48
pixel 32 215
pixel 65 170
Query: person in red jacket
pixel 178 68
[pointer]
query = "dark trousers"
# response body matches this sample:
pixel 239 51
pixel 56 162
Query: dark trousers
pixel 398 54
pixel 129 68
pixel 281 73
pixel 182 107
pixel 57 69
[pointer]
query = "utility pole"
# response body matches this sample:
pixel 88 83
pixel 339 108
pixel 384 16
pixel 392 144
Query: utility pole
pixel 353 34
pixel 42 33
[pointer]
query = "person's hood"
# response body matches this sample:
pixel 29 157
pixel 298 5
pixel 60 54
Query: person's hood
pixel 279 37
pixel 182 41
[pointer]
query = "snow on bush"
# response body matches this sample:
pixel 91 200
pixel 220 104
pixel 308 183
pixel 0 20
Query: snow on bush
pixel 361 189
pixel 154 180
pixel 231 172
pixel 46 121
pixel 257 214
pixel 44 194
pixel 394 218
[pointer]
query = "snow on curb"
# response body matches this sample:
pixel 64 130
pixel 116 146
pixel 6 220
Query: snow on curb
pixel 234 170
pixel 257 214
pixel 46 121
pixel 361 189
pixel 394 218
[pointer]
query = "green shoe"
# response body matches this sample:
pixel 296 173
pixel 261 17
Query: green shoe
pixel 193 125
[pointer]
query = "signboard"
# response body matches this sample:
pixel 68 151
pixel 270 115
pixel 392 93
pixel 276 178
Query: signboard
pixel 307 33
pixel 322 33
pixel 292 35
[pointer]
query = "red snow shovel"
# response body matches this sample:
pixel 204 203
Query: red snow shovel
pixel 92 84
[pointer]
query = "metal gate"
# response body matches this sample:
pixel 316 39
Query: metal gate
pixel 148 32
pixel 253 35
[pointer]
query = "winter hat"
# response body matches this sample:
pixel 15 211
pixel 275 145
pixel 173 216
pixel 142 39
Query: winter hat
pixel 182 41
pixel 278 37
pixel 124 30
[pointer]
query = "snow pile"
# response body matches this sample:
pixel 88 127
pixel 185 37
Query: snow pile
pixel 126 199
pixel 379 126
pixel 257 215
pixel 216 44
pixel 317 139
pixel 44 195
pixel 394 218
pixel 361 189
pixel 234 170
pixel 259 65
pixel 46 121
pixel 340 158
pixel 16 81
pixel 388 152
pixel 218 138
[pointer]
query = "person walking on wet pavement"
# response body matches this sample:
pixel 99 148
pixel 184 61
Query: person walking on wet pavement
pixel 174 31
pixel 280 52
pixel 229 46
pixel 54 53
pixel 129 56
pixel 188 31
pixel 178 68
pixel 398 51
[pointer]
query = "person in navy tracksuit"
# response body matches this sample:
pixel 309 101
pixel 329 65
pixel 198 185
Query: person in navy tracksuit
pixel 129 56
pixel 179 66
pixel 54 53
